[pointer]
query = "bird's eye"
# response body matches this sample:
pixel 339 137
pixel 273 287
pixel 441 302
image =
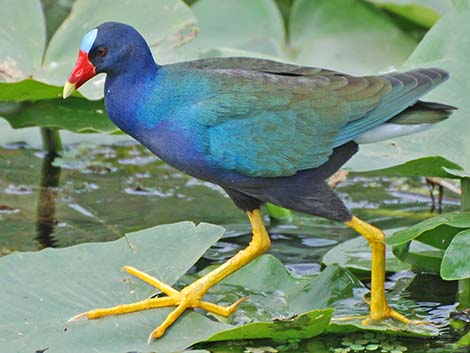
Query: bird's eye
pixel 102 51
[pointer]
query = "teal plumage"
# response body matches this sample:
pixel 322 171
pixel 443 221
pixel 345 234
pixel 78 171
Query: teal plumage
pixel 265 131
pixel 268 119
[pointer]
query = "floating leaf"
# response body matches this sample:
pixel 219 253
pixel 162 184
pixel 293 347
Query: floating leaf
pixel 307 325
pixel 29 90
pixel 464 341
pixel 453 219
pixel 457 173
pixel 41 290
pixel 277 212
pixel 427 166
pixel 74 114
pixel 345 35
pixel 446 46
pixel 56 284
pixel 421 257
pixel 355 255
pixel 255 26
pixel 455 264
pixel 22 39
pixel 423 12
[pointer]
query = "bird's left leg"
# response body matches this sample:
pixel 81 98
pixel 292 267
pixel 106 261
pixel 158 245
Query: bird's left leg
pixel 191 296
pixel 379 308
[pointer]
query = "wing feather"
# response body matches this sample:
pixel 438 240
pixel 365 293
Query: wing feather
pixel 270 119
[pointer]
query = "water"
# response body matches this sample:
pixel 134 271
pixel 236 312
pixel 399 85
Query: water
pixel 98 193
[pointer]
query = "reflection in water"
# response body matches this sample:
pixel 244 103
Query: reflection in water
pixel 46 206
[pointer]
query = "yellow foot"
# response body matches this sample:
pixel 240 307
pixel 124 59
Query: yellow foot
pixel 188 297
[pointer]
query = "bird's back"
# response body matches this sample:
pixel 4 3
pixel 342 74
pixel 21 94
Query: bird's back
pixel 267 119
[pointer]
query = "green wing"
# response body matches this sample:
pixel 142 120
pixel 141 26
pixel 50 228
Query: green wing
pixel 269 119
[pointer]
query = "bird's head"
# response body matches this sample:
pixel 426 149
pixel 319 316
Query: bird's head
pixel 110 47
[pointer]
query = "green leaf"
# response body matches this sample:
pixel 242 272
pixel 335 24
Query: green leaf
pixel 74 114
pixel 421 257
pixel 355 255
pixel 306 325
pixel 278 213
pixel 22 39
pixel 455 264
pixel 333 285
pixel 41 290
pixel 445 46
pixel 266 274
pixel 423 244
pixel 423 12
pixel 453 219
pixel 439 237
pixel 28 90
pixel 456 173
pixel 464 341
pixel 346 35
pixel 255 26
pixel 428 166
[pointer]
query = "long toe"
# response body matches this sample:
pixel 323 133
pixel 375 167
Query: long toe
pixel 189 297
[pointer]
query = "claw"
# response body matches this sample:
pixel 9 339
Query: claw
pixel 78 317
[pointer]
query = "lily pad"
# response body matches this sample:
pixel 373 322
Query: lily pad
pixel 74 114
pixel 428 166
pixel 464 341
pixel 422 257
pixel 355 255
pixel 455 261
pixel 43 289
pixel 22 39
pixel 306 325
pixel 425 244
pixel 255 26
pixel 453 219
pixel 446 46
pixel 28 90
pixel 344 35
pixel 423 12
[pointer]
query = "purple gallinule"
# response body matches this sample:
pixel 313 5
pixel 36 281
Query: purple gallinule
pixel 264 131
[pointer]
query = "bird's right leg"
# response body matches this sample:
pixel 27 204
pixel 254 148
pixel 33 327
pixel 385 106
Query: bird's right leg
pixel 379 308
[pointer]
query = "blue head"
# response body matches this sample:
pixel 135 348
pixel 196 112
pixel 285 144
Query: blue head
pixel 112 48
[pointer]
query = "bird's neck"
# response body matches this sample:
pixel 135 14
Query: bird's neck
pixel 126 88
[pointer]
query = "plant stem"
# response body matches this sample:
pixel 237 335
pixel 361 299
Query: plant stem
pixel 277 213
pixel 464 284
pixel 464 294
pixel 465 197
pixel 51 141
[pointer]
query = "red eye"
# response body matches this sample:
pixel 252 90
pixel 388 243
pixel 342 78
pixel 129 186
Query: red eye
pixel 102 51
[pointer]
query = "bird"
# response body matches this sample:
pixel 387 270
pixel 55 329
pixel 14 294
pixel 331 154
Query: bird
pixel 263 130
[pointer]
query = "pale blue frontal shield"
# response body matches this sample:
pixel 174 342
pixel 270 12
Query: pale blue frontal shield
pixel 88 40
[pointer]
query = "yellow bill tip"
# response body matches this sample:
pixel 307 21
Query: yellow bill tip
pixel 69 88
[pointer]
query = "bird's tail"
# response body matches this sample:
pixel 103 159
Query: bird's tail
pixel 418 117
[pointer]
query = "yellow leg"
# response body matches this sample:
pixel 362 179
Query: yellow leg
pixel 191 296
pixel 379 308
